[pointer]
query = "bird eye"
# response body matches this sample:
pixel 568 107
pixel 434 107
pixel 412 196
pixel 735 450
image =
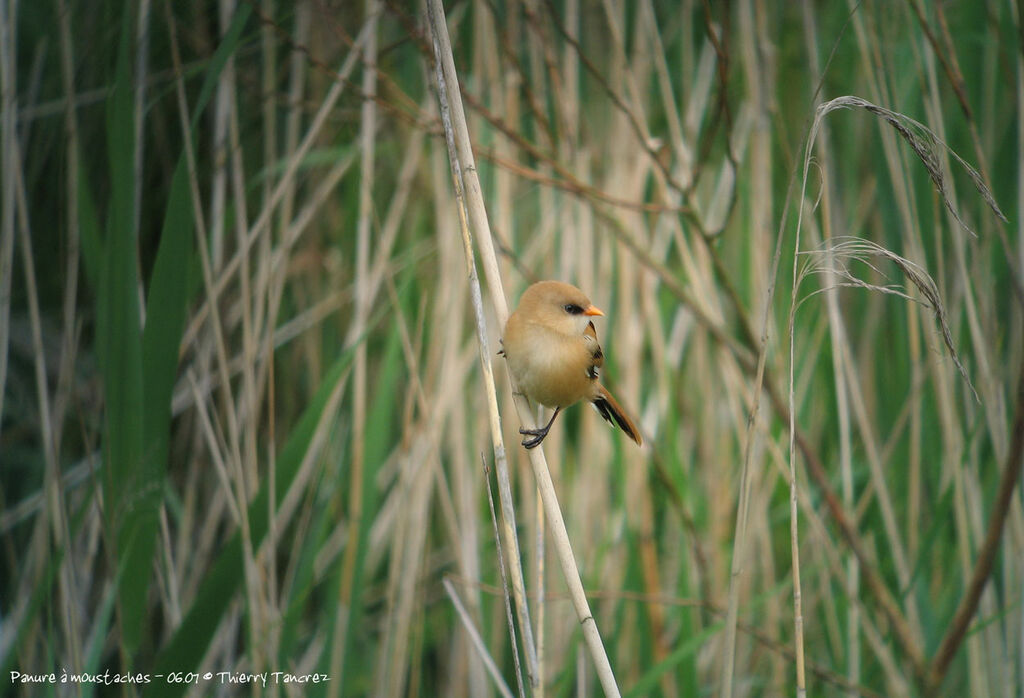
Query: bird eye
pixel 572 309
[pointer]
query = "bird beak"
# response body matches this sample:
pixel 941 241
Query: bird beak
pixel 593 310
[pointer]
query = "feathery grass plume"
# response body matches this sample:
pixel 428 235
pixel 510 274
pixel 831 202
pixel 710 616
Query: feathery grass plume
pixel 925 143
pixel 834 257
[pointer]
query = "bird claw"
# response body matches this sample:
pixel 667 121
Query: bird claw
pixel 537 434
pixel 532 443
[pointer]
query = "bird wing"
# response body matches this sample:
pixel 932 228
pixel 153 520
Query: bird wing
pixel 595 347
pixel 596 355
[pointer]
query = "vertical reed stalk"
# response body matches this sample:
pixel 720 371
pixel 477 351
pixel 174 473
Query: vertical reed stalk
pixel 368 126
pixel 477 219
pixel 508 527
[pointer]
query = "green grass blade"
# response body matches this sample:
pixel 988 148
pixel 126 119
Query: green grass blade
pixel 166 310
pixel 119 351
pixel 90 230
pixel 381 411
pixel 648 683
pixel 227 48
pixel 142 365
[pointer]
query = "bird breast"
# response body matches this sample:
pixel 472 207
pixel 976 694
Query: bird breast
pixel 550 367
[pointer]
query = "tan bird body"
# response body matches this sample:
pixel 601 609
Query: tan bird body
pixel 553 355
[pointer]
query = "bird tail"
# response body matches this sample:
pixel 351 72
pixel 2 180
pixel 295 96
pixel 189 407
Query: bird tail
pixel 613 413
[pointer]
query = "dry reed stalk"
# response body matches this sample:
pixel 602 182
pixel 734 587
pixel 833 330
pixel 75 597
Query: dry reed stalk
pixel 266 617
pixel 630 179
pixel 450 302
pixel 215 450
pixel 170 588
pixel 478 642
pixel 15 217
pixel 508 528
pixel 507 89
pixel 665 89
pixel 396 545
pixel 293 120
pixel 840 359
pixel 986 556
pixel 268 82
pixel 69 333
pixel 418 468
pixel 761 204
pixel 821 541
pixel 506 595
pixel 247 402
pixel 367 140
pixel 477 218
pixel 270 282
pixel 219 147
pixel 739 552
pixel 469 669
pixel 540 583
pixel 983 323
pixel 59 530
pixel 30 505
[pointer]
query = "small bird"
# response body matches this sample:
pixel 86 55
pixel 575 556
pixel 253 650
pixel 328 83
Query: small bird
pixel 553 354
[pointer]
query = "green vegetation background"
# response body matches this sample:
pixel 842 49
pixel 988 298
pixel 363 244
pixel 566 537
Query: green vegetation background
pixel 242 422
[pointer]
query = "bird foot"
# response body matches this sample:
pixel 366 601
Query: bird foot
pixel 537 434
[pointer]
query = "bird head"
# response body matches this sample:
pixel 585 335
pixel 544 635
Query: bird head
pixel 560 306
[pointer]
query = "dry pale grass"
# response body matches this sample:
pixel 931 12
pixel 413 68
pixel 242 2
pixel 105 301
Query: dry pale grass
pixel 828 498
